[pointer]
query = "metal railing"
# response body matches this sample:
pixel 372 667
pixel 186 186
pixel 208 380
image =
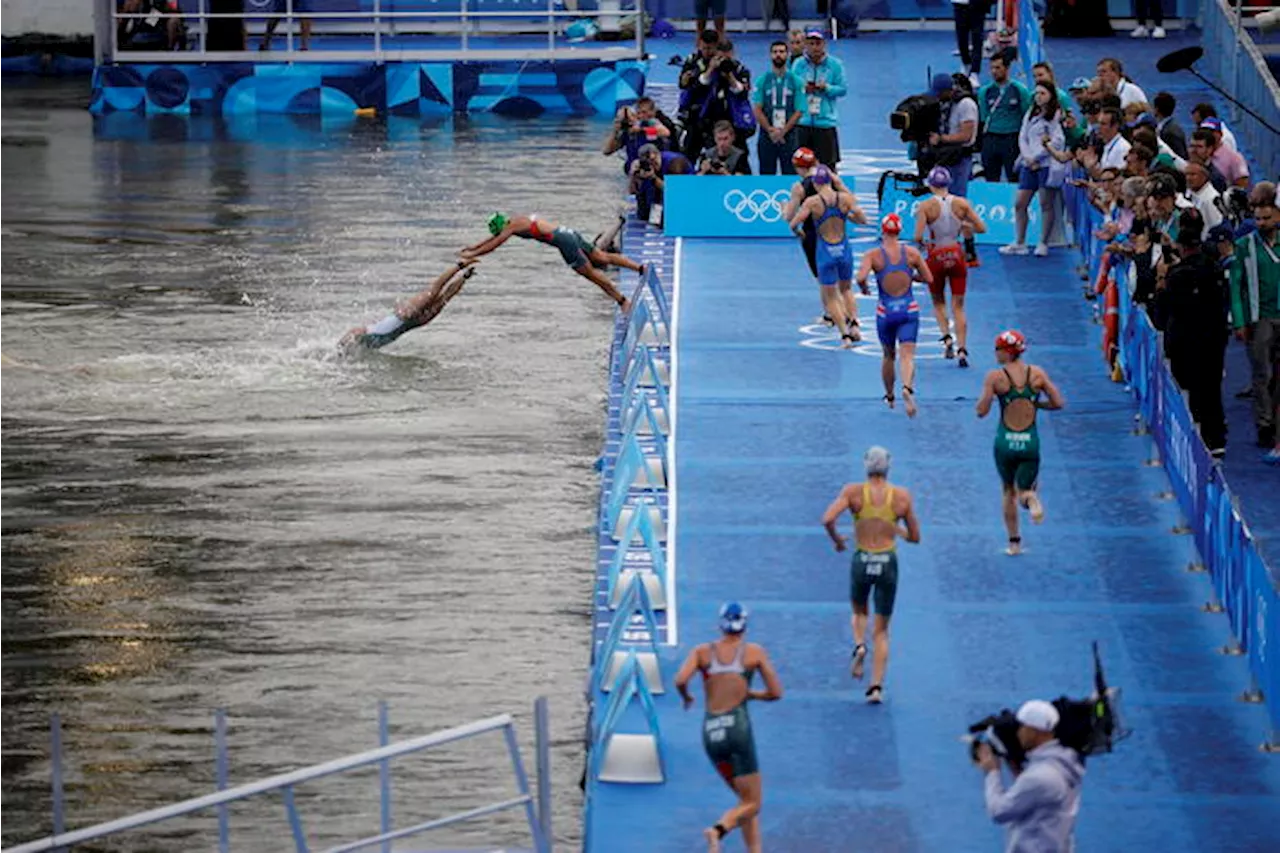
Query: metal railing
pixel 537 812
pixel 1238 66
pixel 380 25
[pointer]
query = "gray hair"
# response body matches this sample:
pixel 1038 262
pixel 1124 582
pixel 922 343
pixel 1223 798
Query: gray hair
pixel 876 461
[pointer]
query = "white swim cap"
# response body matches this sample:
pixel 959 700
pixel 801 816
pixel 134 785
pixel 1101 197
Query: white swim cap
pixel 876 461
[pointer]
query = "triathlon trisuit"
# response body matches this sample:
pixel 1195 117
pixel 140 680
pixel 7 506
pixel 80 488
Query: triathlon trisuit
pixel 574 248
pixel 726 736
pixel 809 242
pixel 1017 453
pixel 897 317
pixel 835 260
pixel 946 257
pixel 877 569
pixel 385 331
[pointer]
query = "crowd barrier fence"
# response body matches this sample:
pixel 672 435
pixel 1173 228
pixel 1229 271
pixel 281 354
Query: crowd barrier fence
pixel 1243 584
pixel 1237 65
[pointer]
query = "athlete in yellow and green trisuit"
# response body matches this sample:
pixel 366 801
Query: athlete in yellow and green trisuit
pixel 1018 386
pixel 877 507
pixel 727 666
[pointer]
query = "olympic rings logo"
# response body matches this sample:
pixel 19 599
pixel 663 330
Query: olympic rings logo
pixel 757 204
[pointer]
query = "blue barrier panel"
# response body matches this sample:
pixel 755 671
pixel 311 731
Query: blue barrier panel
pixel 642 527
pixel 643 363
pixel 623 635
pixel 656 436
pixel 993 202
pixel 630 462
pixel 630 685
pixel 1237 64
pixel 1030 41
pixel 660 297
pixel 729 205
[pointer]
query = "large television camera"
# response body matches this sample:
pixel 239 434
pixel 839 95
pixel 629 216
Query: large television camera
pixel 1090 726
pixel 916 117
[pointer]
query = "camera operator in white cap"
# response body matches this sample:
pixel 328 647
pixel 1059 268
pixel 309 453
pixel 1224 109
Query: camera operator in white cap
pixel 1039 809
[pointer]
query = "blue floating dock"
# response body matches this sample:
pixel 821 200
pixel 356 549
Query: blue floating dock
pixel 771 420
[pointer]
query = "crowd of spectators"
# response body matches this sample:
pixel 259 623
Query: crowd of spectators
pixel 789 106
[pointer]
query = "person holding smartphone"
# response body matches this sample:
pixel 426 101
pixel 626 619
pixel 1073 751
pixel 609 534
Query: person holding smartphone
pixel 1042 169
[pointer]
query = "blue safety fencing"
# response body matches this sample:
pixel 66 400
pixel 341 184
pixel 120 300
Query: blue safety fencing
pixel 1237 65
pixel 634 593
pixel 1242 582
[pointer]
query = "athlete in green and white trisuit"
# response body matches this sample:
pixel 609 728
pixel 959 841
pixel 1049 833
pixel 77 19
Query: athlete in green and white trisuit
pixel 727 666
pixel 1018 386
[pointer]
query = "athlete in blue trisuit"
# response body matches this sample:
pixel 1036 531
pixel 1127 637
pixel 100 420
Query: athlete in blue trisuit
pixel 897 312
pixel 579 253
pixel 414 312
pixel 829 209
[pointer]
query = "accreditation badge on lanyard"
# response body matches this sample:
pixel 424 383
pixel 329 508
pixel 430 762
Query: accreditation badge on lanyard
pixel 779 102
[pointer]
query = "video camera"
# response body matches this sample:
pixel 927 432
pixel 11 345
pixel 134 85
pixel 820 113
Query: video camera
pixel 1089 726
pixel 907 181
pixel 916 117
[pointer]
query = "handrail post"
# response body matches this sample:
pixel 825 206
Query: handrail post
pixel 291 808
pixel 551 25
pixel 55 757
pixel 384 774
pixel 465 25
pixel 542 743
pixel 221 774
pixel 202 9
pixel 522 785
pixel 377 53
pixel 288 22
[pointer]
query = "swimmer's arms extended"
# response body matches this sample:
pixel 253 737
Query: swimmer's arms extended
pixel 510 228
pixel 833 513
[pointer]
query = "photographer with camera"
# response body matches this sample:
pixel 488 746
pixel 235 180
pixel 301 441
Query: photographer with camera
pixel 693 93
pixel 1039 809
pixel 648 182
pixel 724 158
pixel 951 145
pixel 638 125
pixel 722 92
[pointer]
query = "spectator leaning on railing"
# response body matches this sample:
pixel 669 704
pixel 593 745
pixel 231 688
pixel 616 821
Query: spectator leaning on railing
pixel 777 104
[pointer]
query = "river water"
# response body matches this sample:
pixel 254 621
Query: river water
pixel 203 506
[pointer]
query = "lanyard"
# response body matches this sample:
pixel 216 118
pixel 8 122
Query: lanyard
pixel 778 92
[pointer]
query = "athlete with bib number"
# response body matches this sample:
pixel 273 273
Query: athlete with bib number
pixel 829 209
pixel 801 191
pixel 727 666
pixel 945 217
pixel 578 252
pixel 1018 386
pixel 897 312
pixel 877 507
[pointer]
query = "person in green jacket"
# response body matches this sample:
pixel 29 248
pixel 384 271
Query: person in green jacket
pixel 1001 105
pixel 1255 304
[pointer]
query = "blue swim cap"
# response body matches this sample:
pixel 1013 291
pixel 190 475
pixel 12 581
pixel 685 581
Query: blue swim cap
pixel 821 175
pixel 939 176
pixel 733 618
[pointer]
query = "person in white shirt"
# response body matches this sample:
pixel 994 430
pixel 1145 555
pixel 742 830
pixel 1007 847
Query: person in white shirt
pixel 1042 152
pixel 1114 146
pixel 1111 75
pixel 1201 193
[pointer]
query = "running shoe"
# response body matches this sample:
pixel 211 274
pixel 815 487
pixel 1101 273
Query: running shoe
pixel 1014 249
pixel 964 357
pixel 856 661
pixel 948 347
pixel 875 694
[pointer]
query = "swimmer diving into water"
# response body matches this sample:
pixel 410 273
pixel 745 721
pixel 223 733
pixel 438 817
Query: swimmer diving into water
pixel 579 253
pixel 417 311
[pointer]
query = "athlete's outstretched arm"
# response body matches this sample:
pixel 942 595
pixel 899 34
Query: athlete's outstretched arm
pixel 687 669
pixel 918 264
pixel 832 515
pixel 911 530
pixel 1056 400
pixel 484 247
pixel 772 684
pixel 988 394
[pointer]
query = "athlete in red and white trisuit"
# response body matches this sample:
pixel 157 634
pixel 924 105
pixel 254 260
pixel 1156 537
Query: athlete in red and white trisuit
pixel 946 217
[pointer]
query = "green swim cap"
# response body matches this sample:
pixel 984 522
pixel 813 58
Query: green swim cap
pixel 496 223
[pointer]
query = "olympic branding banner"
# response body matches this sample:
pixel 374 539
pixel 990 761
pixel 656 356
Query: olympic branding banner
pixel 993 202
pixel 728 205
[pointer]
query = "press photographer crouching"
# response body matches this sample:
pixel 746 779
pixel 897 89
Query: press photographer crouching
pixel 647 180
pixel 1039 809
pixel 724 158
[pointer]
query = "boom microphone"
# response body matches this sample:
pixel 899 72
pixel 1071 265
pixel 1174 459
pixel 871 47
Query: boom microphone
pixel 1184 59
pixel 1180 60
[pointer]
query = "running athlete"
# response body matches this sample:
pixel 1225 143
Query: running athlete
pixel 727 666
pixel 805 163
pixel 946 216
pixel 829 209
pixel 897 312
pixel 877 507
pixel 576 250
pixel 1018 386
pixel 417 311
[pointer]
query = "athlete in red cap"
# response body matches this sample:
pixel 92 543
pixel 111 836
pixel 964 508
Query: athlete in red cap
pixel 897 313
pixel 1018 386
pixel 806 163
